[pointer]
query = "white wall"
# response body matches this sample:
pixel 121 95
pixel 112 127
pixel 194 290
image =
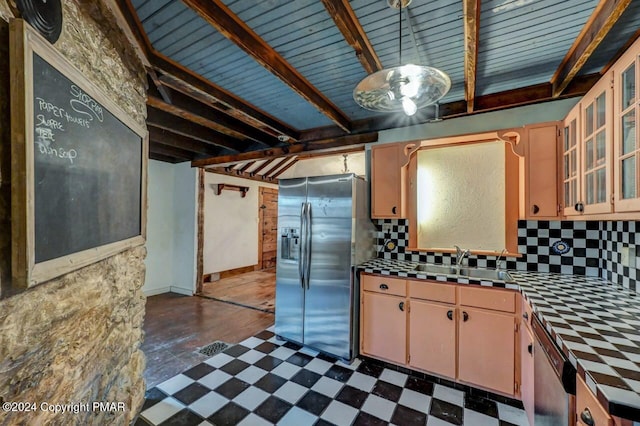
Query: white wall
pixel 171 225
pixel 185 228
pixel 230 224
pixel 330 165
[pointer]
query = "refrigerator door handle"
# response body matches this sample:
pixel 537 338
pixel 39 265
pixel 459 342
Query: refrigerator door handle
pixel 307 245
pixel 303 253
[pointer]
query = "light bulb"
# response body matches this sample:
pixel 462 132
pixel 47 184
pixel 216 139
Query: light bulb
pixel 409 106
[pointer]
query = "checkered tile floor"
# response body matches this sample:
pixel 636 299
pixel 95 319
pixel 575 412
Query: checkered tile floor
pixel 264 381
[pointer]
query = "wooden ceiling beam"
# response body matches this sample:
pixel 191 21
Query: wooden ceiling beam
pixel 495 101
pixel 228 24
pixel 353 33
pixel 166 121
pixel 171 70
pixel 168 138
pixel 471 12
pixel 293 161
pixel 178 77
pixel 273 167
pixel 294 149
pixel 159 87
pixel 318 154
pixel 197 112
pixel 171 151
pixel 246 167
pixel 165 158
pixel 263 165
pixel 597 27
pixel 222 171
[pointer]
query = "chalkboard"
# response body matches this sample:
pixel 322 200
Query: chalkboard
pixel 87 169
pixel 83 162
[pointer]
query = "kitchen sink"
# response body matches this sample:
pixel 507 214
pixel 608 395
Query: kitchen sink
pixel 436 269
pixel 486 274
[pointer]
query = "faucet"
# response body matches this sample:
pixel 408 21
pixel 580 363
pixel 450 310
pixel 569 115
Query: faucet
pixel 460 255
pixel 500 258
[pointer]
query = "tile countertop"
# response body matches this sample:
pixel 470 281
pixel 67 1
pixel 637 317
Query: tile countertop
pixel 596 323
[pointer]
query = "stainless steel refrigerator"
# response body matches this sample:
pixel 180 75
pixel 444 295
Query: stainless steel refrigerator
pixel 324 231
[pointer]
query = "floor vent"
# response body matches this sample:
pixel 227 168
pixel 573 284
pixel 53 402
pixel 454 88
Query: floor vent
pixel 213 348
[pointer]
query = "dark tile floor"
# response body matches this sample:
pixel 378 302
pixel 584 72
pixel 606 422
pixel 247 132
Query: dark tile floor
pixel 264 381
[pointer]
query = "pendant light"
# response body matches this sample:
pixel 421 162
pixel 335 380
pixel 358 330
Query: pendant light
pixel 403 88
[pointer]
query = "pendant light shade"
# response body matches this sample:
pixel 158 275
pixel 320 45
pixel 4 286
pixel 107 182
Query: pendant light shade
pixel 403 88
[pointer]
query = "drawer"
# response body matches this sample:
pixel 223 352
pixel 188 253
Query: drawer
pixel 436 292
pixel 587 404
pixel 527 312
pixel 488 298
pixel 386 285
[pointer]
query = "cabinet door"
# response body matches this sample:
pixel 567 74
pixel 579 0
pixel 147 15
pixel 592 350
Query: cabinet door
pixel 384 327
pixel 541 190
pixel 432 338
pixel 626 147
pixel 486 349
pixel 597 133
pixel 571 162
pixel 386 181
pixel 526 371
pixel 588 407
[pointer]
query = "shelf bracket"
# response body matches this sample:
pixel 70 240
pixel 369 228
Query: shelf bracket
pixel 218 188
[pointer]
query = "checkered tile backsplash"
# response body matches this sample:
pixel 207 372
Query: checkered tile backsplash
pixel 591 248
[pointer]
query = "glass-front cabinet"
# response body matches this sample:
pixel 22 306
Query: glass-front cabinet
pixel 597 134
pixel 626 148
pixel 570 163
pixel 587 152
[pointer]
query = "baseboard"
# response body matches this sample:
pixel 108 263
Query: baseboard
pixel 182 290
pixel 217 276
pixel 156 291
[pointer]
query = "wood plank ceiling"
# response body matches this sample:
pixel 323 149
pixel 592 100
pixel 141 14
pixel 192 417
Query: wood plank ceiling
pixel 250 88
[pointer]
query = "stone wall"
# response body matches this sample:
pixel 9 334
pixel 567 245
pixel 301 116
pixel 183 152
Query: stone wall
pixel 75 339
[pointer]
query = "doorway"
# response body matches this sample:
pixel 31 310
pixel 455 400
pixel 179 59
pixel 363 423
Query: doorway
pixel 267 228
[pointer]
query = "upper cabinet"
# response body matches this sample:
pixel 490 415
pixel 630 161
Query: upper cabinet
pixel 387 181
pixel 541 184
pixel 570 163
pixel 596 138
pixel 600 174
pixel 626 150
pixel 587 139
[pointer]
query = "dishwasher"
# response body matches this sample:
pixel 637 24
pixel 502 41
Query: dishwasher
pixel 554 381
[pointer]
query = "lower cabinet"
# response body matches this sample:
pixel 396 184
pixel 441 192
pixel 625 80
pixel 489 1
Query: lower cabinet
pixel 384 327
pixel 432 337
pixel 486 350
pixel 588 410
pixel 460 332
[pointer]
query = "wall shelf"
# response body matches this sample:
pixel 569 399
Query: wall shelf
pixel 218 188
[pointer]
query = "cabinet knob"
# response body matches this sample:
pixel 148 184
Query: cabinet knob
pixel 450 315
pixel 401 306
pixel 526 316
pixel 530 348
pixel 465 316
pixel 384 287
pixel 535 209
pixel 587 418
pixel 579 207
pixel 394 209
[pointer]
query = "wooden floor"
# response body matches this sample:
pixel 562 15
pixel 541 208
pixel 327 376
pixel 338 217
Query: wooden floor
pixel 253 289
pixel 177 326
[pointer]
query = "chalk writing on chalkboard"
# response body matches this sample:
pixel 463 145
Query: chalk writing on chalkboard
pixel 87 169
